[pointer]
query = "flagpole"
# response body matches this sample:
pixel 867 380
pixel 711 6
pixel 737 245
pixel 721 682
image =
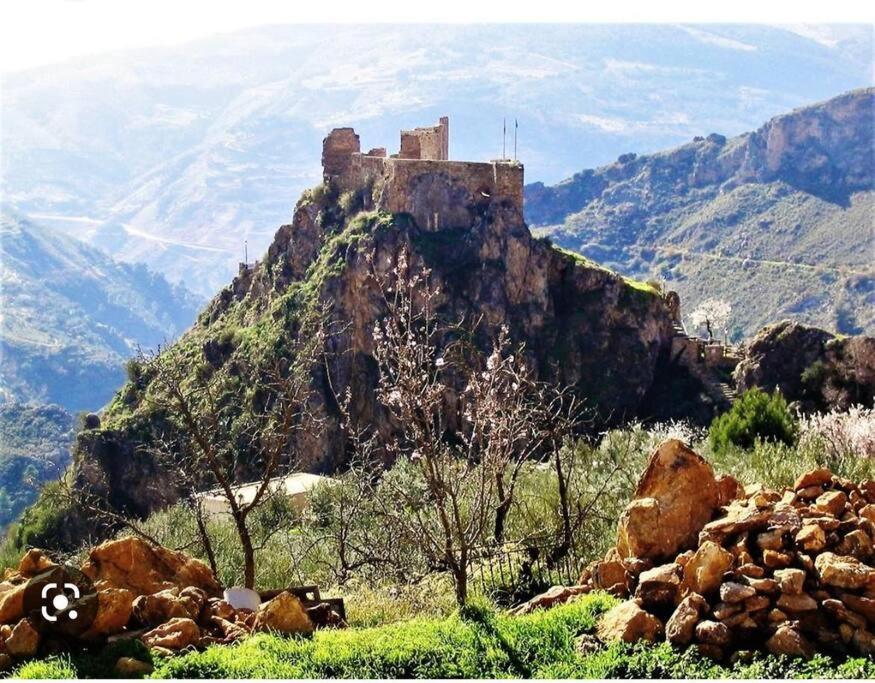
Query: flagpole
pixel 503 139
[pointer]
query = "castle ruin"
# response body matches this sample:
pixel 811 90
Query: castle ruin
pixel 420 179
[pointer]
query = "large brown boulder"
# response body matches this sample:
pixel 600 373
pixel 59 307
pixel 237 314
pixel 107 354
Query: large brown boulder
pixel 113 613
pixel 24 640
pixel 12 604
pixel 284 614
pixel 843 571
pixel 628 622
pixel 144 568
pixel 676 496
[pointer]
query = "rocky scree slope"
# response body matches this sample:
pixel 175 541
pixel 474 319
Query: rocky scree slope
pixel 777 221
pixel 581 325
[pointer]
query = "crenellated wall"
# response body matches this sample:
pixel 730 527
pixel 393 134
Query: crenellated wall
pixel 420 180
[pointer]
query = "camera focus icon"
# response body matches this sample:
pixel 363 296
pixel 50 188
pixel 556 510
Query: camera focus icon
pixel 59 601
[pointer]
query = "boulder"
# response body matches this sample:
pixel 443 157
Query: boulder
pixel 629 623
pixel 787 640
pixel 790 581
pixel 704 571
pixel 113 613
pixel 842 571
pixel 24 640
pixel 5 661
pixel 554 596
pixel 860 604
pixel 713 633
pixel 797 603
pixel 217 607
pixel 728 489
pixel 151 610
pixel 608 573
pixel 831 503
pixel 681 625
pixel 659 586
pixel 811 537
pixel 176 634
pixel 33 562
pixel 284 614
pixel 12 604
pixel 732 592
pixel 144 568
pixel 681 494
pixel 818 477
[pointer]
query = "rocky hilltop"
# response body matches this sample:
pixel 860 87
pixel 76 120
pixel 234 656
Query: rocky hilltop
pixel 773 221
pixel 580 324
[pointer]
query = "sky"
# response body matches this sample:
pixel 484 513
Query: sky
pixel 39 32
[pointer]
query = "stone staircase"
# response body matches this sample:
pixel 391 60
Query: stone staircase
pixel 720 390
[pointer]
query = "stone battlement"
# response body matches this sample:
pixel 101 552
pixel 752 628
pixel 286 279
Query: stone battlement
pixel 421 180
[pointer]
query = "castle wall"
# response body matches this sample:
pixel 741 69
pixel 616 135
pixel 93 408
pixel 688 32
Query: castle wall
pixel 430 142
pixel 337 151
pixel 438 193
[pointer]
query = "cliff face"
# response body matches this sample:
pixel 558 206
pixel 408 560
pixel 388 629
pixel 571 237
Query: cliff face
pixel 811 366
pixel 771 221
pixel 581 325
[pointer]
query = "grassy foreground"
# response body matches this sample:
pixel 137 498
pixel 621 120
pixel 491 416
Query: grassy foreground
pixel 478 643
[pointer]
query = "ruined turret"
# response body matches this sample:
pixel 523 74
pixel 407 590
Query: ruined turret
pixel 420 179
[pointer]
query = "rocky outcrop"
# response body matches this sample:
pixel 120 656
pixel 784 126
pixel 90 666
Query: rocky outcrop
pixel 811 366
pixel 750 577
pixel 581 326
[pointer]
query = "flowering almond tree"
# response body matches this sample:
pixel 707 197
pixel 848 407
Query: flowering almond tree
pixel 712 314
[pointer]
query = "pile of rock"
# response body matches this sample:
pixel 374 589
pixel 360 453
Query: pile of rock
pixel 164 598
pixel 703 561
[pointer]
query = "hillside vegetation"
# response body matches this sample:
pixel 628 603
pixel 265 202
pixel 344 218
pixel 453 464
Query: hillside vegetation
pixel 778 222
pixel 35 444
pixel 72 317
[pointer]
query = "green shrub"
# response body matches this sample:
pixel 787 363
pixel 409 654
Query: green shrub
pixel 756 416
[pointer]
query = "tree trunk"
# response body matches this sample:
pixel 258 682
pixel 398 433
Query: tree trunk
pixel 501 511
pixel 205 538
pixel 248 551
pixel 560 550
pixel 461 579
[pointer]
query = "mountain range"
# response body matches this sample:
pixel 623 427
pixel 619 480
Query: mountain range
pixel 72 316
pixel 179 156
pixel 778 222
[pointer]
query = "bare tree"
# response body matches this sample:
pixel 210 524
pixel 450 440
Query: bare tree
pixel 467 445
pixel 223 430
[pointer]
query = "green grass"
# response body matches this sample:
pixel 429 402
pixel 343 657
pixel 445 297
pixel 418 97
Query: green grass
pixel 478 643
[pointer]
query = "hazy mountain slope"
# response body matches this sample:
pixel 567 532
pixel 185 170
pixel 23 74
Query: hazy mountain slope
pixel 35 446
pixel 71 316
pixel 780 222
pixel 175 156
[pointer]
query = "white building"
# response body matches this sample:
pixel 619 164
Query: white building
pixel 296 486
